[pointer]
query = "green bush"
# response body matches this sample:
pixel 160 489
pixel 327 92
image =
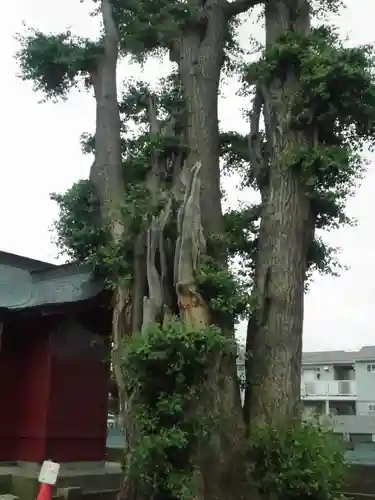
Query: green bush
pixel 303 462
pixel 166 369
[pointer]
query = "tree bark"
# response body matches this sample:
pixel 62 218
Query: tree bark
pixel 201 55
pixel 274 337
pixel 106 171
pixel 200 62
pixel 107 177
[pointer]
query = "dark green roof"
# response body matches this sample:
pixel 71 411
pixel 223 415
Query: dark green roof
pixel 13 260
pixel 30 284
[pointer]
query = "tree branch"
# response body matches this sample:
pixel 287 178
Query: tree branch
pixel 255 154
pixel 110 28
pixel 240 6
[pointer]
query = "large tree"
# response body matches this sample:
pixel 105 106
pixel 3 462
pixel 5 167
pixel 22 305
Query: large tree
pixel 183 191
pixel 150 220
pixel 306 164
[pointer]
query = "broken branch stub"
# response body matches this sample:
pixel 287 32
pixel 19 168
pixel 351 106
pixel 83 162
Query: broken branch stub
pixel 190 246
pixel 153 304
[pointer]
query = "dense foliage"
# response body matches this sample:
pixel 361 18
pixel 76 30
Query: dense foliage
pixel 299 463
pixel 167 369
pixel 337 97
pixel 56 63
pixel 79 231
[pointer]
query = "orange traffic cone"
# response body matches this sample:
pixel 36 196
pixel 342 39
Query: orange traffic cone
pixel 45 492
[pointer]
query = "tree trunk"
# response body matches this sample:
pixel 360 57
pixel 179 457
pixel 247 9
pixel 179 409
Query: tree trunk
pixel 274 337
pixel 107 177
pixel 106 171
pixel 200 61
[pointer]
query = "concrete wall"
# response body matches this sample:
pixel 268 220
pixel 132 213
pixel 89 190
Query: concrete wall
pixel 309 373
pixel 365 388
pixel 351 424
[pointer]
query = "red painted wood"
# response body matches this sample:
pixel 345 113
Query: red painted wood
pixel 23 368
pixel 53 392
pixel 81 387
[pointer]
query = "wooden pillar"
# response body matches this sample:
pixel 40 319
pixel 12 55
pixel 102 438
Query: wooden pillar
pixel 10 374
pixel 1 333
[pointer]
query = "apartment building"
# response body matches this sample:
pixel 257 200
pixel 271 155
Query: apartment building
pixel 338 387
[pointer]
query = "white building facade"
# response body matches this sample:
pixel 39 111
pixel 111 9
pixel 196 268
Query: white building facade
pixel 339 387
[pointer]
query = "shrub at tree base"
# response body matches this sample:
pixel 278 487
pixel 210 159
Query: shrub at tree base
pixel 304 462
pixel 167 372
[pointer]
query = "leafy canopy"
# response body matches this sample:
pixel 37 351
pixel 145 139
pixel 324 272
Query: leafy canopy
pixel 56 63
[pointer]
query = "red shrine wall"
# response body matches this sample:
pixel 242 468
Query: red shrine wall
pixel 53 392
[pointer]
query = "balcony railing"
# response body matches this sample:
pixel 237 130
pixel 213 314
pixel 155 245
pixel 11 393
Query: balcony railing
pixel 352 424
pixel 328 388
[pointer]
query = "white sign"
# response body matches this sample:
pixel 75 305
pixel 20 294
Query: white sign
pixel 49 472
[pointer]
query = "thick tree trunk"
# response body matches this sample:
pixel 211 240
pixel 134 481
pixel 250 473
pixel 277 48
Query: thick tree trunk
pixel 107 177
pixel 200 62
pixel 106 171
pixel 274 338
pixel 200 65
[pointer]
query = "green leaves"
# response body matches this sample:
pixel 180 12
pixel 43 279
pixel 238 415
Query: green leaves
pixel 146 26
pixel 167 368
pixel 297 463
pixel 330 174
pixel 79 227
pixel 333 105
pixel 225 292
pixel 56 63
pixel 169 352
pixel 337 83
pixel 79 233
pixel 167 96
pixel 83 238
pixel 323 258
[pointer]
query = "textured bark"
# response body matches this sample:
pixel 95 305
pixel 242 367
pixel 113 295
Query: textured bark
pixel 158 295
pixel 200 55
pixel 106 171
pixel 190 247
pixel 107 177
pixel 159 302
pixel 139 282
pixel 200 62
pixel 274 338
pixel 219 472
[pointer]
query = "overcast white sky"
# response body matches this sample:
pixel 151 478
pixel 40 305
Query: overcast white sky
pixel 41 154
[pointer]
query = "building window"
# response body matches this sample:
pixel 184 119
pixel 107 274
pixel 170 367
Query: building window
pixel 371 408
pixel 371 368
